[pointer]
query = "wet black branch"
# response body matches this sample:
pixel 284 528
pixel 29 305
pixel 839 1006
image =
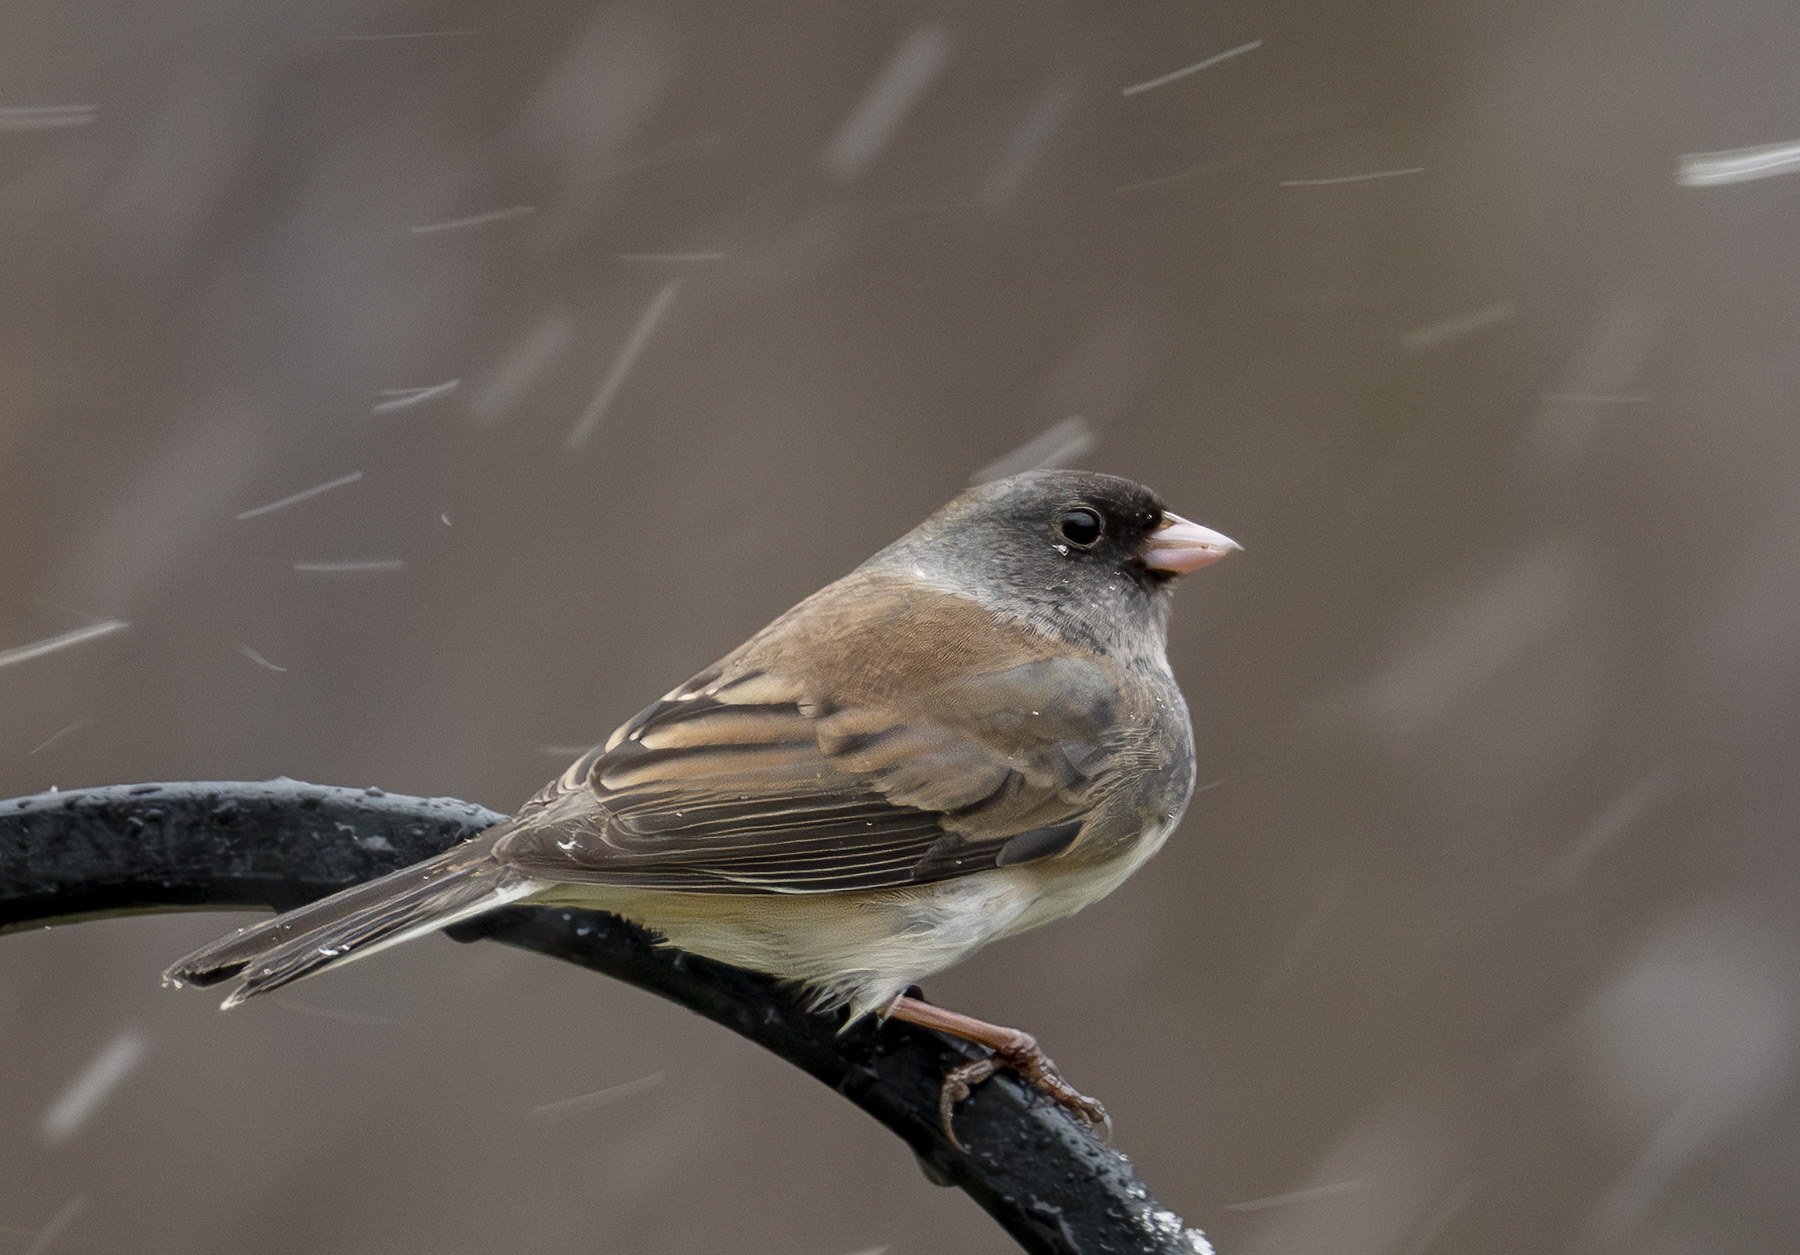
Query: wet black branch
pixel 93 853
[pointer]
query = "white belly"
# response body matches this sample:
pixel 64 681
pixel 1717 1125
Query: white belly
pixel 860 949
pixel 856 949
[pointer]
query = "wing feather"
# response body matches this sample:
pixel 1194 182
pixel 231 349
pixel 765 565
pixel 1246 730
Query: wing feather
pixel 767 775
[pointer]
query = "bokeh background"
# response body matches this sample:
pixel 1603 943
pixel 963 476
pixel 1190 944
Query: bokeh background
pixel 636 322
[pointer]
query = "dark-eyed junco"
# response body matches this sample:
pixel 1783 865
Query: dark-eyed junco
pixel 973 733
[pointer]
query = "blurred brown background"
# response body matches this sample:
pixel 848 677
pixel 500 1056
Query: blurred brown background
pixel 1482 941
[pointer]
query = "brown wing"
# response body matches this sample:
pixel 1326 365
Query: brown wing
pixel 921 740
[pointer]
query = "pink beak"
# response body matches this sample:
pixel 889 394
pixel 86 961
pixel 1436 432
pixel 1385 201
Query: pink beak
pixel 1178 546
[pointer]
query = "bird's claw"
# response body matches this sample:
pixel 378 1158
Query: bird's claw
pixel 1024 1057
pixel 958 1083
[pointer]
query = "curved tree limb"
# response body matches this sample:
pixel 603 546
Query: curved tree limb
pixel 93 853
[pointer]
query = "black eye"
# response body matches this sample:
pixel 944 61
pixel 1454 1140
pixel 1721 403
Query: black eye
pixel 1079 526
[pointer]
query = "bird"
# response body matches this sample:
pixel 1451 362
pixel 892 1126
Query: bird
pixel 975 732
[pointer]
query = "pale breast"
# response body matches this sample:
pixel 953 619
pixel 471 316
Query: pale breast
pixel 855 949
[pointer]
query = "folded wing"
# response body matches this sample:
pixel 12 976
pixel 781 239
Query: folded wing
pixel 760 777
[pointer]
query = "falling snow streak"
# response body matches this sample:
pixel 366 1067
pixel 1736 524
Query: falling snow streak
pixel 404 398
pixel 46 117
pixel 1295 1196
pixel 1306 934
pixel 1195 68
pixel 73 1107
pixel 1627 811
pixel 1439 1220
pixel 884 106
pixel 57 736
pixel 347 568
pixel 1456 328
pixel 1180 176
pixel 1465 645
pixel 1603 371
pixel 24 653
pixel 1061 445
pixel 58 1223
pixel 373 39
pixel 1737 165
pixel 305 494
pixel 520 367
pixel 1027 144
pixel 615 378
pixel 258 659
pixel 1353 178
pixel 598 1098
pixel 475 220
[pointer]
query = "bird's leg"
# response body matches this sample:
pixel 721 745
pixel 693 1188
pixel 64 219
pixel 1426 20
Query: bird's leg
pixel 1012 1049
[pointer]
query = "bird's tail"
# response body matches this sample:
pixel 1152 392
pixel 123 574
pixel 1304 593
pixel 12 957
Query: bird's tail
pixel 358 921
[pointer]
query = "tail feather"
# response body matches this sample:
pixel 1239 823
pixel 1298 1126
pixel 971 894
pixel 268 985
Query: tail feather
pixel 356 922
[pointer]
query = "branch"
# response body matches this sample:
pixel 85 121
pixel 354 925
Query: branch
pixel 92 853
